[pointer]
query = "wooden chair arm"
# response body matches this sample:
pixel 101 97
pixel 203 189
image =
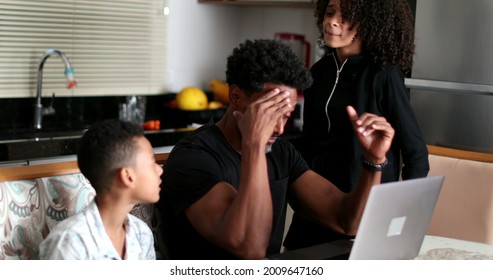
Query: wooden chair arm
pixel 27 172
pixel 461 154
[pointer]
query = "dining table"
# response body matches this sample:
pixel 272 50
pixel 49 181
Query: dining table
pixel 432 248
pixel 446 248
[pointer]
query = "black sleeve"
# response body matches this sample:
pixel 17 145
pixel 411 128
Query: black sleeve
pixel 408 134
pixel 296 164
pixel 188 175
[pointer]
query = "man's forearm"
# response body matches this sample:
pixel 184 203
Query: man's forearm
pixel 354 203
pixel 250 215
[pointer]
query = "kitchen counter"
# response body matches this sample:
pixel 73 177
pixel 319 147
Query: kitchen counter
pixel 29 147
pixel 55 147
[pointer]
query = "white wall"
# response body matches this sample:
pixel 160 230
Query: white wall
pixel 202 36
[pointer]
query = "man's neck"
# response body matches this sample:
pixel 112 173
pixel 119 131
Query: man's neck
pixel 229 128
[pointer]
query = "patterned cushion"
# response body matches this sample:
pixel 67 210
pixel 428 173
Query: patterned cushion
pixel 29 209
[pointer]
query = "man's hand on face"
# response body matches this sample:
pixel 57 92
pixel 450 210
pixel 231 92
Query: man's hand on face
pixel 258 121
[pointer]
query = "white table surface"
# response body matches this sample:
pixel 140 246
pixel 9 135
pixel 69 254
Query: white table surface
pixel 443 248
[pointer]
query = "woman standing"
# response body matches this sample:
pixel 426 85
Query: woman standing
pixel 369 49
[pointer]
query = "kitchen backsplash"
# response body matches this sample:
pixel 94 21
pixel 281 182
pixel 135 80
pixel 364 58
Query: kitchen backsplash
pixel 78 112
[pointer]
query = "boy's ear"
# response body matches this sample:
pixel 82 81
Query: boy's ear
pixel 126 176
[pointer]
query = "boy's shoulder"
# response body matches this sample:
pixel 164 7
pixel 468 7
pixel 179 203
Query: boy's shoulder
pixel 71 225
pixel 138 224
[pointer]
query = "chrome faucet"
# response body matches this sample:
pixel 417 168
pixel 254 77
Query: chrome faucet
pixel 39 111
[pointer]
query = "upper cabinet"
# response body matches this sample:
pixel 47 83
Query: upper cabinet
pixel 279 3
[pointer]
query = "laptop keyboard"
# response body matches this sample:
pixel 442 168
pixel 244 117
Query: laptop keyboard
pixel 335 250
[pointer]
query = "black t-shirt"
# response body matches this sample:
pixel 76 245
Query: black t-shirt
pixel 195 165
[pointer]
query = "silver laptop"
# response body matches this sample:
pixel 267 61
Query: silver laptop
pixel 396 219
pixel 393 226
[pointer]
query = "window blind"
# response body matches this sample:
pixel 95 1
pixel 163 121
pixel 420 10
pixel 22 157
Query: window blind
pixel 115 47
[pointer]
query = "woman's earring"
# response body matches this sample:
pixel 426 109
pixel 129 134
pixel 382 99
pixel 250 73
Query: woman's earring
pixel 354 38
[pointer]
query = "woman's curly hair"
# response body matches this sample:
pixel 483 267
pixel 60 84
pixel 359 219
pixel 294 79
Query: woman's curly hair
pixel 256 62
pixel 385 26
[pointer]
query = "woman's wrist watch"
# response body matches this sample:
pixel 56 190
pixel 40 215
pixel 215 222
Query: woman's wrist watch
pixel 373 167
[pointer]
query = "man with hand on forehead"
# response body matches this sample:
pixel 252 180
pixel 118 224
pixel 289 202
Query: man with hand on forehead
pixel 226 186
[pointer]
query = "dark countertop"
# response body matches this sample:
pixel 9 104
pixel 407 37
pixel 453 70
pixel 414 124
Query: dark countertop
pixel 21 150
pixel 59 136
pixel 20 144
pixel 25 148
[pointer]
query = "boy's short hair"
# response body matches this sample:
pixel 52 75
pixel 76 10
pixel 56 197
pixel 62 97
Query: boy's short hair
pixel 254 63
pixel 106 147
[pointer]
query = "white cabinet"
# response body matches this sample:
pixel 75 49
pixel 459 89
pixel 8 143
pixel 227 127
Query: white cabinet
pixel 280 3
